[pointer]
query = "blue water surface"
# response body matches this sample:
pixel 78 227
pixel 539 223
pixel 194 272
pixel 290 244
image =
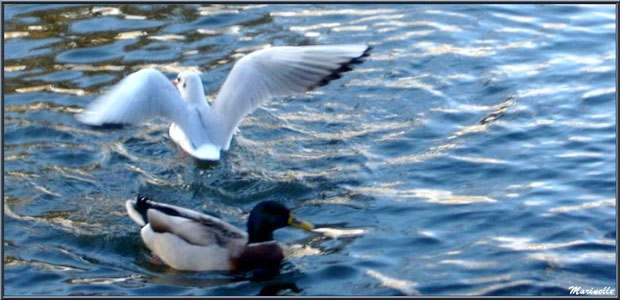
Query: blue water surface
pixel 473 153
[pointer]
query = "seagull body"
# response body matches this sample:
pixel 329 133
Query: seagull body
pixel 204 130
pixel 188 240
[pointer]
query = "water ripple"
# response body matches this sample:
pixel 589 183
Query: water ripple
pixel 471 154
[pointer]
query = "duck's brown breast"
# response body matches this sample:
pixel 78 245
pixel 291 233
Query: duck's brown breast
pixel 258 255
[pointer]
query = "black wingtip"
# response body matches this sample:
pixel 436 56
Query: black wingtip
pixel 367 51
pixel 344 67
pixel 360 59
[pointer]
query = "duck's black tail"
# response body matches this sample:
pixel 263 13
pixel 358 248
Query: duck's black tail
pixel 137 209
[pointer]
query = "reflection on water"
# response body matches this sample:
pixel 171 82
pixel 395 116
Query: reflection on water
pixel 471 154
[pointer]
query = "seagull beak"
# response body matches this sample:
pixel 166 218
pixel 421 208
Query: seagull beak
pixel 174 82
pixel 299 224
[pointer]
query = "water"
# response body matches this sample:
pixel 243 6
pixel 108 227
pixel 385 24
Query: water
pixel 472 154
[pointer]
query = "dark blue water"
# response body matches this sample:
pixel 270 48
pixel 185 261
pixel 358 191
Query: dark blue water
pixel 472 154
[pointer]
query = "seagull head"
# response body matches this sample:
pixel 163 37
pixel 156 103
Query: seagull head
pixel 190 86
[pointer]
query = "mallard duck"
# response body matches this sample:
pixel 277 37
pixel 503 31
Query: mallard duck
pixel 188 240
pixel 203 130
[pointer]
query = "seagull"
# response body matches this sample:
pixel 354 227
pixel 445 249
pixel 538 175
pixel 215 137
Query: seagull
pixel 204 130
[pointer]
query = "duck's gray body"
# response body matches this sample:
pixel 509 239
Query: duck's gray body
pixel 185 239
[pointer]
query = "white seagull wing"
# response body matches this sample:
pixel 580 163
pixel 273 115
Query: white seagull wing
pixel 141 96
pixel 148 94
pixel 277 71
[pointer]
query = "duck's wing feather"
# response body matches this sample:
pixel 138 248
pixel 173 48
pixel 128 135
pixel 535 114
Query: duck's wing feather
pixel 193 227
pixel 278 71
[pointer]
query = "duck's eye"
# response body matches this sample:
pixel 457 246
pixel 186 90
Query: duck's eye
pixel 184 83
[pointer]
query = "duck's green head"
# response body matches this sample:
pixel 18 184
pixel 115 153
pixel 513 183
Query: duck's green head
pixel 268 216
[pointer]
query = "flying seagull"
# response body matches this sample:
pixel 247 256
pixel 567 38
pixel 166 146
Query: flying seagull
pixel 203 130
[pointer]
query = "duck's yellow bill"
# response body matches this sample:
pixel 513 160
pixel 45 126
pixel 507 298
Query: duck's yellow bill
pixel 299 224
